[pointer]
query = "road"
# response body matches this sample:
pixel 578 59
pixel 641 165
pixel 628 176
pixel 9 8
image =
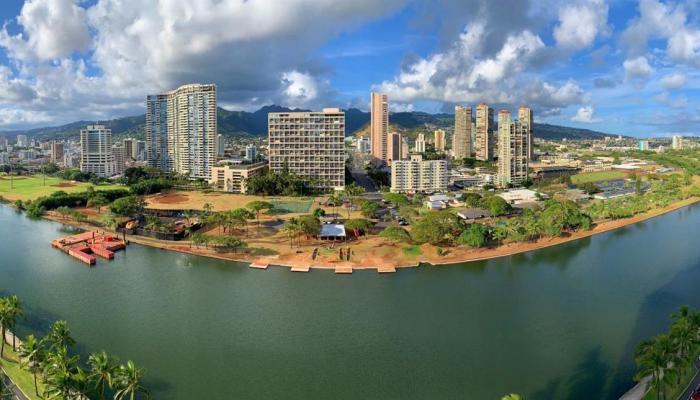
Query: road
pixel 363 180
pixel 694 384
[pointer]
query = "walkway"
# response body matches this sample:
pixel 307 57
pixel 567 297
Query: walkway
pixel 16 391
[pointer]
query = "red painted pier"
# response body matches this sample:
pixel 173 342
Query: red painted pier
pixel 87 246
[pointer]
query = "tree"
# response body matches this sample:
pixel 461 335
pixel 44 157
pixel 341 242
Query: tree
pixel 358 226
pixel 239 217
pixel 319 212
pixel 257 206
pixel 102 371
pixel 369 208
pixel 127 206
pixel 496 205
pixel 5 316
pixel 476 235
pixel 472 200
pixel 128 382
pixel 30 350
pixel 512 396
pixel 98 201
pixel 59 336
pixel 310 225
pixel 396 199
pixel 15 312
pixel 395 234
pixel 293 228
pixel 653 358
pixel 437 227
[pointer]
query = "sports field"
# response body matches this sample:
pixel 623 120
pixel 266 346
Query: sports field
pixel 181 200
pixel 31 187
pixel 597 176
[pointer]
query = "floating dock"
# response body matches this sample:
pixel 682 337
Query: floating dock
pixel 87 246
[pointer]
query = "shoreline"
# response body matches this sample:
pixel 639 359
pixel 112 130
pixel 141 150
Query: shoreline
pixel 301 262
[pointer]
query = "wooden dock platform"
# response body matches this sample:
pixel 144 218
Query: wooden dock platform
pixel 301 268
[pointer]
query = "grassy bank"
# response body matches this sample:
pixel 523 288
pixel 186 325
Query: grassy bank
pixel 21 377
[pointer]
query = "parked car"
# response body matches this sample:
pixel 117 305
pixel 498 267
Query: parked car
pixel 696 394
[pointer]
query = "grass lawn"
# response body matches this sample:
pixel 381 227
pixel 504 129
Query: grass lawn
pixel 294 206
pixel 21 377
pixel 31 187
pixel 597 176
pixel 412 250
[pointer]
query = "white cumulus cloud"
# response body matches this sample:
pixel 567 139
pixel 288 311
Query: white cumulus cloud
pixel 580 24
pixel 585 115
pixel 673 81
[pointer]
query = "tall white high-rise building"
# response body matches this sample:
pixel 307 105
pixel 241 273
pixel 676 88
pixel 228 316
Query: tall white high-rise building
pixel 416 175
pixel 462 138
pixel 363 145
pixel 220 145
pixel 22 141
pixel 251 152
pixel 309 144
pixel 96 151
pixel 420 143
pixel 677 142
pixel 181 130
pixel 513 158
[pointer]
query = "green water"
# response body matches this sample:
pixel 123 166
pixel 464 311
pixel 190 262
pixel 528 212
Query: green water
pixel 559 323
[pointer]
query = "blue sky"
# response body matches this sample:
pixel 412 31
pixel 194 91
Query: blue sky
pixel 621 66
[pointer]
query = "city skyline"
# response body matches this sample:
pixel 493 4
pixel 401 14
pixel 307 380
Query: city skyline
pixel 616 73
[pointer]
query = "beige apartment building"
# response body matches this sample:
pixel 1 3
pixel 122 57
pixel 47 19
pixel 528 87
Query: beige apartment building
pixel 379 127
pixel 232 178
pixel 485 141
pixel 96 151
pixel 309 144
pixel 57 152
pixel 439 138
pixel 525 117
pixel 462 138
pixel 418 176
pixel 181 130
pixel 512 150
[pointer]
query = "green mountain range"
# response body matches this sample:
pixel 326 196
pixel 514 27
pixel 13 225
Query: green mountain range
pixel 243 123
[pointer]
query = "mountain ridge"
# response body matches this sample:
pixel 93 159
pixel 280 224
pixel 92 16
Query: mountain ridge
pixel 254 124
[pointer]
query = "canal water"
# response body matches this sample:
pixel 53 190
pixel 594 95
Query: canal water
pixel 558 323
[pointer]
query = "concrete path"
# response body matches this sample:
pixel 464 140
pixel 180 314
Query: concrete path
pixel 16 391
pixel 637 392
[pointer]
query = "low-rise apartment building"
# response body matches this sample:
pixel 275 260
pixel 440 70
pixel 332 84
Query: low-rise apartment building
pixel 233 178
pixel 418 175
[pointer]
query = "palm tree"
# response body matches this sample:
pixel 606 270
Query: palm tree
pixel 129 382
pixel 512 396
pixel 59 336
pixel 653 359
pixel 59 368
pixel 30 350
pixel 102 371
pixel 292 228
pixel 15 311
pixel 5 316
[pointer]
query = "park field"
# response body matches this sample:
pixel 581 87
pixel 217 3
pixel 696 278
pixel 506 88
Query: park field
pixel 31 187
pixel 597 176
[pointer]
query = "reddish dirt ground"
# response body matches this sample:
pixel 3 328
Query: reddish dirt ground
pixel 64 185
pixel 171 198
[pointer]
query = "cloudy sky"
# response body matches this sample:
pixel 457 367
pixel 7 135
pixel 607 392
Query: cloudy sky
pixel 621 66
